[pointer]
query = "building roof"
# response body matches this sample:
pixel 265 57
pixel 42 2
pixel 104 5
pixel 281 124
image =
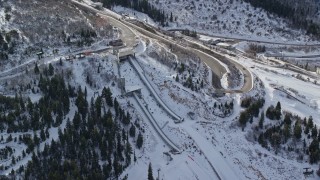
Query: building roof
pixel 132 88
pixel 125 53
pixel 223 44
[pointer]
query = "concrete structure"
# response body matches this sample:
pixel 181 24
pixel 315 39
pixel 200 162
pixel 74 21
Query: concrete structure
pixel 123 55
pixel 192 115
pixel 225 46
pixel 318 70
pixel 130 89
pixel 136 66
pixel 155 125
pixel 214 42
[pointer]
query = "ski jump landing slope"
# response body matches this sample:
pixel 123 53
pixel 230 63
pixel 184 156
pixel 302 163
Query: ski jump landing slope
pixel 139 70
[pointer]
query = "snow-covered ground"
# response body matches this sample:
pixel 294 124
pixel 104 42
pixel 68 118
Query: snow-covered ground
pixel 132 14
pixel 190 164
pixel 205 140
pixel 245 158
pixel 210 145
pixel 308 90
pixel 230 18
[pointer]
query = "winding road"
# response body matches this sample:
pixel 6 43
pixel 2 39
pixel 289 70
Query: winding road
pixel 257 41
pixel 128 35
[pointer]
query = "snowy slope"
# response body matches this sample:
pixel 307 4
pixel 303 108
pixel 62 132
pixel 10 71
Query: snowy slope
pixel 232 18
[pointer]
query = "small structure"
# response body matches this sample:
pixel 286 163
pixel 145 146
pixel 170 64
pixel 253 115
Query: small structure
pixel 80 56
pixel 218 93
pixel 40 54
pixel 308 172
pixel 225 46
pixel 214 42
pixel 192 115
pixel 123 55
pixel 117 42
pixel 168 156
pixel 130 89
pixel 68 58
pixel 318 70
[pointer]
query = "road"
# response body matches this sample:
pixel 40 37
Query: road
pixel 248 79
pixel 201 51
pixel 30 64
pixel 256 41
pixel 207 55
pixel 212 62
pixel 126 34
pixel 293 56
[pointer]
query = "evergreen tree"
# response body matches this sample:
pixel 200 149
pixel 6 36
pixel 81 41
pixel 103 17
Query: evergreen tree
pixel 286 132
pixel 314 132
pixel 314 151
pixel 261 140
pixel 310 122
pixel 36 69
pixel 243 119
pixel 261 120
pixel 13 160
pixel 287 119
pixel 51 70
pixel 134 156
pixel 150 175
pixel 116 106
pixel 132 131
pixel 106 93
pixel 278 111
pixel 177 78
pixel 42 135
pixel 297 130
pixel 82 103
pixel 251 120
pixel 139 140
pixel 307 130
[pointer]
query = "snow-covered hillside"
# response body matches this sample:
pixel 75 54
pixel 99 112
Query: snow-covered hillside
pixel 86 109
pixel 47 26
pixel 233 18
